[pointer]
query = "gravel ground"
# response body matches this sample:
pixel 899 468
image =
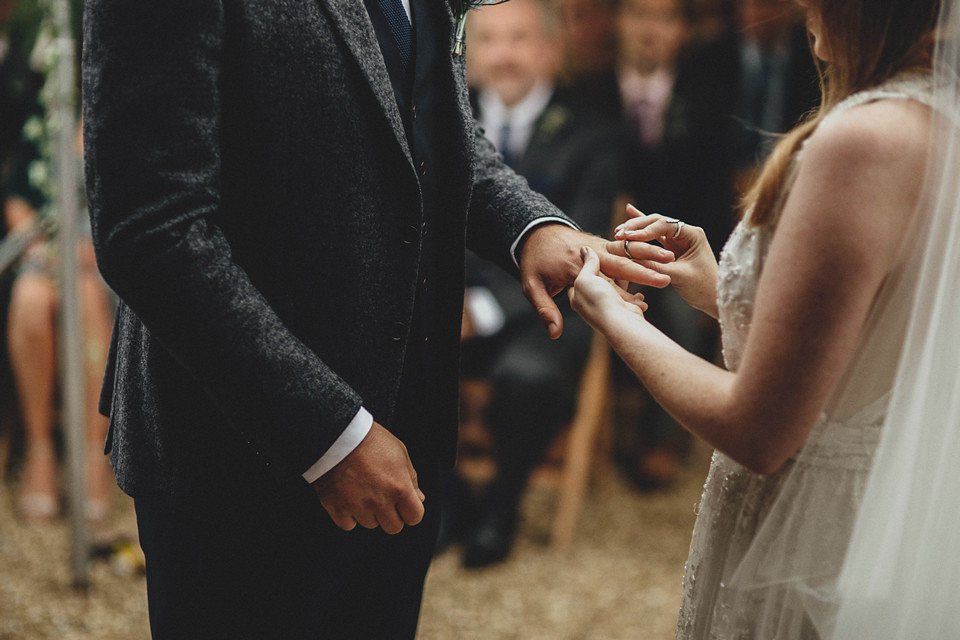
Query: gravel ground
pixel 619 580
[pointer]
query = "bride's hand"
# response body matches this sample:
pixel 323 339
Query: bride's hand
pixel 694 272
pixel 595 296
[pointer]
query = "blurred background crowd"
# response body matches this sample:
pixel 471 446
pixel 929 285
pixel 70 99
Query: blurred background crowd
pixel 664 104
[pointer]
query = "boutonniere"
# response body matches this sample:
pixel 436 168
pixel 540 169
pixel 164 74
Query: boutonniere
pixel 553 120
pixel 460 9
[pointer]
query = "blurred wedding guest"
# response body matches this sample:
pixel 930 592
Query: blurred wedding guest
pixel 759 79
pixel 586 33
pixel 663 141
pixel 669 166
pixel 31 338
pixel 32 321
pixel 711 19
pixel 588 51
pixel 569 155
pixel 19 84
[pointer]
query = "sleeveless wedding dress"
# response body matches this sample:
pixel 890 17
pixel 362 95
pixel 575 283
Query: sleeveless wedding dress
pixel 766 550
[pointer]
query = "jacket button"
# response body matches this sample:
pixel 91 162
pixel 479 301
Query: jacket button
pixel 399 330
pixel 413 111
pixel 423 168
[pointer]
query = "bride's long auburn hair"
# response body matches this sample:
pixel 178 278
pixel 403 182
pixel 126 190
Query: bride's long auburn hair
pixel 874 40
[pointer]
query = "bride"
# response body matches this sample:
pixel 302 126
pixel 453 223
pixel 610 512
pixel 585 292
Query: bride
pixel 847 251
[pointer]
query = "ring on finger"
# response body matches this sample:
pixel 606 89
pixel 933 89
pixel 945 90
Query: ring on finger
pixel 626 249
pixel 679 228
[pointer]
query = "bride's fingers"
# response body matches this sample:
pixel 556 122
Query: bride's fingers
pixel 647 229
pixel 637 220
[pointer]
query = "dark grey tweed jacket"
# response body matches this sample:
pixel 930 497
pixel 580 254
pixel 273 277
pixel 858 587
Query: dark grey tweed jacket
pixel 256 207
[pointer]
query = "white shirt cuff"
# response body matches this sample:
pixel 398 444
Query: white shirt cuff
pixel 529 227
pixel 356 431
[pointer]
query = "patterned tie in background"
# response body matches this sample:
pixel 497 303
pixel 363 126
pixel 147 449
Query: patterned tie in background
pixel 399 23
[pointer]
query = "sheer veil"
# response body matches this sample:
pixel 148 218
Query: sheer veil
pixel 901 574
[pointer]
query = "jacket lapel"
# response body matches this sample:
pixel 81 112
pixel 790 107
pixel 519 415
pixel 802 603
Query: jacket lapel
pixel 351 19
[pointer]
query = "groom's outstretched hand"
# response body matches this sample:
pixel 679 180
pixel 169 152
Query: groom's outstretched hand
pixel 374 486
pixel 550 261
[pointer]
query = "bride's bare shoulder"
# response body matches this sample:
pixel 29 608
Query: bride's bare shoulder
pixel 887 136
pixel 862 173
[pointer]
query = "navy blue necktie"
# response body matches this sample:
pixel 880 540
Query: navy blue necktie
pixel 504 145
pixel 399 23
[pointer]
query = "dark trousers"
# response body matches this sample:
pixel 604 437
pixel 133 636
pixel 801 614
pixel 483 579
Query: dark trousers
pixel 271 564
pixel 534 382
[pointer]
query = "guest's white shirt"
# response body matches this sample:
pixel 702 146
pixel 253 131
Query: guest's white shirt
pixel 521 117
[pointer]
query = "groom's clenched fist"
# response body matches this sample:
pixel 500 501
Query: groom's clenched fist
pixel 374 486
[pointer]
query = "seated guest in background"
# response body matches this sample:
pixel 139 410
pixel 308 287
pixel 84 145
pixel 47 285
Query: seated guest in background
pixel 759 80
pixel 711 19
pixel 588 49
pixel 569 155
pixel 667 167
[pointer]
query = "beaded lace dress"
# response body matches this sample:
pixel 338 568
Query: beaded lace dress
pixel 766 550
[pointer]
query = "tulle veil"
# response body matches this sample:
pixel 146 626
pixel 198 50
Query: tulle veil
pixel 901 574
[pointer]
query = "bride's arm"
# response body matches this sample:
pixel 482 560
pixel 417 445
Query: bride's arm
pixel 835 243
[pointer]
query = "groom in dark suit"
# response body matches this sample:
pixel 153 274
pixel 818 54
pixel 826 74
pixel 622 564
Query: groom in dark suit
pixel 280 193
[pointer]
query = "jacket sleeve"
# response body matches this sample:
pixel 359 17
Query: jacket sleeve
pixel 502 206
pixel 150 73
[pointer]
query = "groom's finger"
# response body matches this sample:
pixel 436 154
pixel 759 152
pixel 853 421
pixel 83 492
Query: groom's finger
pixel 390 521
pixel 343 520
pixel 639 252
pixel 621 268
pixel 546 308
pixel 367 520
pixel 410 510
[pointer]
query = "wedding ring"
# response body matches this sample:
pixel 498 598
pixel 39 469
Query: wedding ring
pixel 679 228
pixel 626 249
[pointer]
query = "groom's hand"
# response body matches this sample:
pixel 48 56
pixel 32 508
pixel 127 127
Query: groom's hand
pixel 374 486
pixel 550 262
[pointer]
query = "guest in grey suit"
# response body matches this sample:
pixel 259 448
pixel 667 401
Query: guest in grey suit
pixel 279 192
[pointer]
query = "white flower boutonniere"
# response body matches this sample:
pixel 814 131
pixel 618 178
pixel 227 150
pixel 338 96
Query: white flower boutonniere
pixel 460 9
